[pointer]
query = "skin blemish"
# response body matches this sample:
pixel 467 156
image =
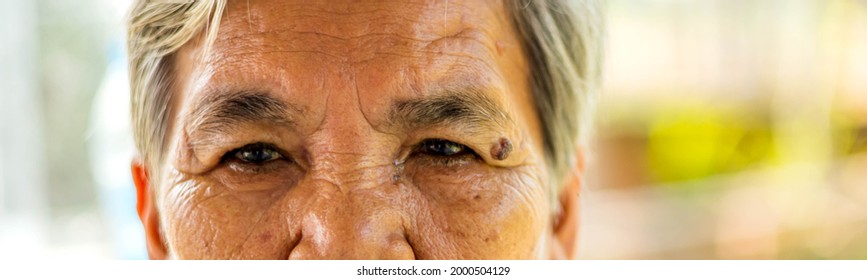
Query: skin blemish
pixel 265 237
pixel 501 149
pixel 501 47
pixel 398 169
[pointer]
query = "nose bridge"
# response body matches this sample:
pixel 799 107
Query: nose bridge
pixel 345 148
pixel 357 213
pixel 351 163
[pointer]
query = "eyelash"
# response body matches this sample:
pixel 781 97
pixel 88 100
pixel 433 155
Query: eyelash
pixel 230 159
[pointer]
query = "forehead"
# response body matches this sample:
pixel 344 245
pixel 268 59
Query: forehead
pixel 374 48
pixel 356 30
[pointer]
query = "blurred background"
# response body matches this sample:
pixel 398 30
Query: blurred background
pixel 728 129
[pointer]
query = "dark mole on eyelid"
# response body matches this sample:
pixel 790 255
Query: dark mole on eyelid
pixel 501 149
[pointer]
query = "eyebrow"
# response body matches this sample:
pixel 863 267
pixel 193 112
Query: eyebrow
pixel 470 109
pixel 218 113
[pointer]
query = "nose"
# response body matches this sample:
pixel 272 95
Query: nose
pixel 352 226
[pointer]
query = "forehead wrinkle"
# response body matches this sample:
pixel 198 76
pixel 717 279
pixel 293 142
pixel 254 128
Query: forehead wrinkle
pixel 337 16
pixel 475 45
pixel 337 25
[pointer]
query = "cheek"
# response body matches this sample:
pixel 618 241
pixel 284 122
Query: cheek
pixel 203 219
pixel 493 214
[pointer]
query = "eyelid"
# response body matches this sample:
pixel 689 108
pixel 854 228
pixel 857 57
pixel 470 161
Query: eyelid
pixel 206 148
pixel 467 155
pixel 253 169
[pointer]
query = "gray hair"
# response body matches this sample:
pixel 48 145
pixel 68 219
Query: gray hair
pixel 562 40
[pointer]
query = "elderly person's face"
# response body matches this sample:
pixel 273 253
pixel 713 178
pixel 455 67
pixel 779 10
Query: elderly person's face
pixel 354 130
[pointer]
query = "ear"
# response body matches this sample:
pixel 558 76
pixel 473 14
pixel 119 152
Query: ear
pixel 566 218
pixel 147 211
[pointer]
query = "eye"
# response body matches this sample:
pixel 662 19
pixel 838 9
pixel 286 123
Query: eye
pixel 257 167
pixel 443 148
pixel 258 154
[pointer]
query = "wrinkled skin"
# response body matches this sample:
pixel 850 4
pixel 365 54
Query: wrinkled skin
pixel 349 184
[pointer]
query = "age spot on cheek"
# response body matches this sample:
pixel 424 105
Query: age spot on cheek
pixel 501 149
